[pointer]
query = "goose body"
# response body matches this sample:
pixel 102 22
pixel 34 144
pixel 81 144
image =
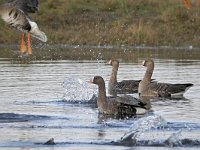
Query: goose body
pixel 115 105
pixel 122 87
pixel 148 88
pixel 15 14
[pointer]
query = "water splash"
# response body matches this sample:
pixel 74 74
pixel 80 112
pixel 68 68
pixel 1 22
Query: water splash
pixel 140 126
pixel 174 139
pixel 78 90
pixel 155 131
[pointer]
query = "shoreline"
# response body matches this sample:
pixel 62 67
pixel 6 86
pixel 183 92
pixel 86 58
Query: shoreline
pixel 101 52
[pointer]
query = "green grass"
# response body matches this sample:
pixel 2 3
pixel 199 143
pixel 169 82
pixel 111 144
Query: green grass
pixel 129 22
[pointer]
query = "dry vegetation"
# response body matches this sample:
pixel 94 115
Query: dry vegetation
pixel 116 22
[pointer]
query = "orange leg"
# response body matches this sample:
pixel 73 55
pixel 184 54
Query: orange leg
pixel 23 47
pixel 29 44
pixel 198 2
pixel 187 4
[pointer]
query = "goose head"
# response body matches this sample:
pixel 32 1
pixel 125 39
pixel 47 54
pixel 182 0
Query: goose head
pixel 98 80
pixel 148 63
pixel 113 62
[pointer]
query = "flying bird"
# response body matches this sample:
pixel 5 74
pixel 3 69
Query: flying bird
pixel 15 13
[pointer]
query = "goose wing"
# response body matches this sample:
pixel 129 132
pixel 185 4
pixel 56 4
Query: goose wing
pixel 18 19
pixel 15 18
pixel 130 100
pixel 166 89
pixel 27 6
pixel 129 86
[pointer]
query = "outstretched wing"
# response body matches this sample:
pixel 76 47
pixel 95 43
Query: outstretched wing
pixel 15 18
pixel 27 6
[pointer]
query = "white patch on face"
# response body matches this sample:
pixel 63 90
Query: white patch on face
pixel 93 79
pixel 143 63
pixel 109 62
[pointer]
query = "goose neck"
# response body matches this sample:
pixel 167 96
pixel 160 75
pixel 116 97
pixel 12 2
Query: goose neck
pixel 148 73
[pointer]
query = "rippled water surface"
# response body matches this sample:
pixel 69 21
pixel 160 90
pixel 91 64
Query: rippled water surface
pixel 49 99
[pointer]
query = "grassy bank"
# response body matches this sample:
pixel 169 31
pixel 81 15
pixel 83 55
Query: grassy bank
pixel 115 22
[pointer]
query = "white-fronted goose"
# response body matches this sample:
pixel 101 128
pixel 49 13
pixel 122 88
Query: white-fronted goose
pixel 148 88
pixel 114 105
pixel 123 87
pixel 15 13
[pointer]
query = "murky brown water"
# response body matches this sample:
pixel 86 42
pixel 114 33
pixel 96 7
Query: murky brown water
pixel 37 103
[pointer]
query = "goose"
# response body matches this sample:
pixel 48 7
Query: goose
pixel 15 14
pixel 115 105
pixel 155 89
pixel 122 87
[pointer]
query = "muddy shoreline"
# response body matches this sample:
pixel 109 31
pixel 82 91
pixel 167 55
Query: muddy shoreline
pixel 102 52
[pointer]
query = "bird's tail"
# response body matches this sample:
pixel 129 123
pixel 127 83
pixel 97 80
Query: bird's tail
pixel 37 33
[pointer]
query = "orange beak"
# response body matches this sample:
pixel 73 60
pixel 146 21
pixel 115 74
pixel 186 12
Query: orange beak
pixel 187 4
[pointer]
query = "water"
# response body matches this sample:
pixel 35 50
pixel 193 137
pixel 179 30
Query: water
pixel 49 99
